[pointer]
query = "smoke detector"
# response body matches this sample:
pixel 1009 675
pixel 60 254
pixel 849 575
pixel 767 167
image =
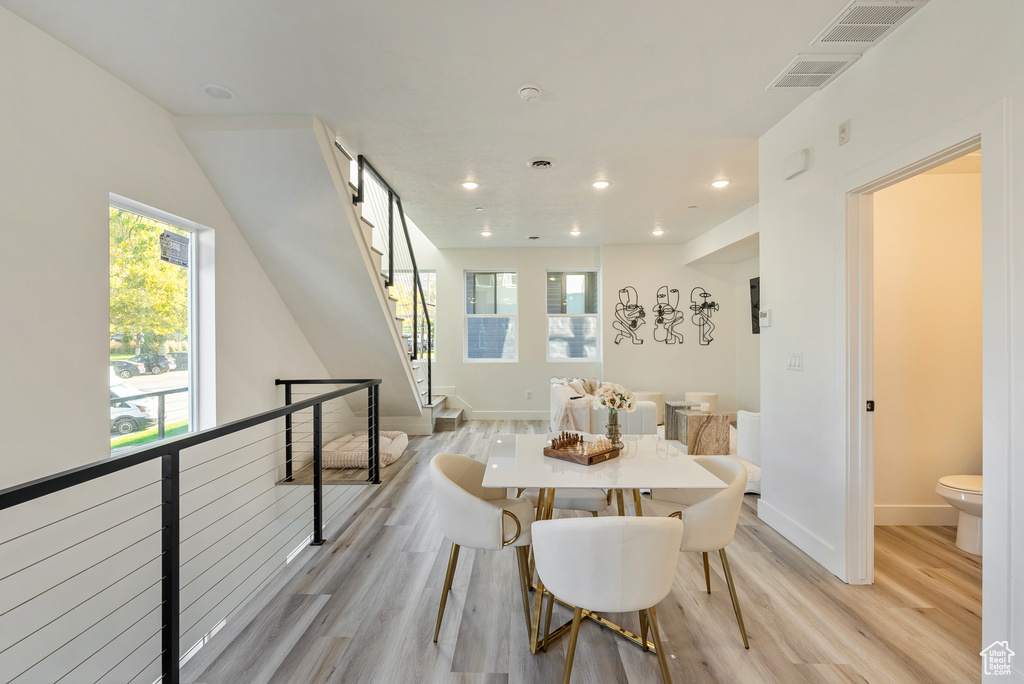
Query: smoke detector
pixel 541 163
pixel 529 92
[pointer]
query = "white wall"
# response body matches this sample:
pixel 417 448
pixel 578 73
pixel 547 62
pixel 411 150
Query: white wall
pixel 678 368
pixel 949 73
pixel 72 134
pixel 748 345
pixel 927 343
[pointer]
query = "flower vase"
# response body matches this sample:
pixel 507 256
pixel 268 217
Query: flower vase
pixel 614 436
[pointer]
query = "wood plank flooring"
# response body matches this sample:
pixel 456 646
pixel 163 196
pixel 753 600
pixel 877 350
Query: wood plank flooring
pixel 362 607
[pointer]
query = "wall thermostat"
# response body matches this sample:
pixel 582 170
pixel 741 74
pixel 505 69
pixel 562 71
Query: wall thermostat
pixel 764 318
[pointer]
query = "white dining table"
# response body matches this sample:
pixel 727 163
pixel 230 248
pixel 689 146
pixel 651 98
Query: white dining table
pixel 644 462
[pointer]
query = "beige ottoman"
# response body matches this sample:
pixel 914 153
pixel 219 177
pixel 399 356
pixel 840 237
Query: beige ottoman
pixel 659 400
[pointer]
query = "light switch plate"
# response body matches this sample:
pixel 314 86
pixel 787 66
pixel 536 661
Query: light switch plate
pixel 795 361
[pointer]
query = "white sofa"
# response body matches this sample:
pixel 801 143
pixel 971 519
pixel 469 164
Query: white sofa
pixel 573 410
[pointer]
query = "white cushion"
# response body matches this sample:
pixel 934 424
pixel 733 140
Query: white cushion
pixel 572 499
pixel 353 451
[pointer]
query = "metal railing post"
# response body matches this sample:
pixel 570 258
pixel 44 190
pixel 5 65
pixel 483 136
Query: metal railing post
pixel 373 394
pixel 288 434
pixel 160 413
pixel 318 479
pixel 391 237
pixel 170 540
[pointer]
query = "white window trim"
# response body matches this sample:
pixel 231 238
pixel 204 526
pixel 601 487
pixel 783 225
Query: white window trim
pixel 467 316
pixel 548 316
pixel 201 287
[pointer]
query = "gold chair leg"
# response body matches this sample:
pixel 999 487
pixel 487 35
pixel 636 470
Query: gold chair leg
pixel 735 599
pixel 453 559
pixel 519 491
pixel 619 500
pixel 521 561
pixel 643 629
pixel 652 619
pixel 593 513
pixel 547 622
pixel 535 619
pixel 707 571
pixel 637 506
pixel 577 615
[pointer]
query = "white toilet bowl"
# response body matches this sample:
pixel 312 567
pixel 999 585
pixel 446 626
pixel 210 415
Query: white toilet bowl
pixel 963 492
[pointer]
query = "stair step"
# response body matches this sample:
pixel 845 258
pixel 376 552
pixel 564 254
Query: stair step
pixel 448 420
pixel 440 401
pixel 374 249
pixel 355 188
pixel 366 221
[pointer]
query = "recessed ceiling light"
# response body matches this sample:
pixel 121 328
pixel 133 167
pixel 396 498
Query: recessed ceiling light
pixel 657 231
pixel 692 206
pixel 470 185
pixel 719 183
pixel 217 92
pixel 575 232
pixel 601 185
pixel 479 209
pixel 485 233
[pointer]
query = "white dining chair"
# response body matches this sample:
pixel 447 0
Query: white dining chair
pixel 591 501
pixel 612 564
pixel 478 517
pixel 709 517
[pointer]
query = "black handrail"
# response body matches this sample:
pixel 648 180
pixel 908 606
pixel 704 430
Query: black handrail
pixel 169 452
pixel 417 287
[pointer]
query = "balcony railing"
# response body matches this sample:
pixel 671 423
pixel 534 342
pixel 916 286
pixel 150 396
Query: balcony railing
pixel 107 569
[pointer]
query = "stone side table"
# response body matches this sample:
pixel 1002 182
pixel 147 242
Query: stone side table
pixel 671 409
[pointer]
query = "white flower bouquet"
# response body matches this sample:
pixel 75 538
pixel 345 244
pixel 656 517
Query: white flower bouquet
pixel 616 398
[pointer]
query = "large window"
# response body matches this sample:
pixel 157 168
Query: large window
pixel 492 303
pixel 151 328
pixel 573 329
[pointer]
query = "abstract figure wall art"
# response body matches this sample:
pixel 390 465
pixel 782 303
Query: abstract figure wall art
pixel 702 308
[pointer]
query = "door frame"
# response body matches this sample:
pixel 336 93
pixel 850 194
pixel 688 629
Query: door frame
pixel 854 202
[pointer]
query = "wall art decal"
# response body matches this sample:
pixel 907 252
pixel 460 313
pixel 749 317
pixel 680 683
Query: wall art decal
pixel 755 305
pixel 629 316
pixel 668 316
pixel 702 308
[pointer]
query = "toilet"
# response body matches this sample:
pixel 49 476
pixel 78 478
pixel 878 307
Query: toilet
pixel 963 492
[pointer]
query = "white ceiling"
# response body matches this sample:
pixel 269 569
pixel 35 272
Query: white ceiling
pixel 660 98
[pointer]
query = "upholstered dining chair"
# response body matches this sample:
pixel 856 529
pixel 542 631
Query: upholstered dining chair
pixel 612 564
pixel 591 501
pixel 478 517
pixel 709 517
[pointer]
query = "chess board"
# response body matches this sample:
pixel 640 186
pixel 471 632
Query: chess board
pixel 575 450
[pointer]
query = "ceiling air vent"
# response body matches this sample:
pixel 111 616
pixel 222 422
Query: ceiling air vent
pixel 811 71
pixel 864 23
pixel 541 163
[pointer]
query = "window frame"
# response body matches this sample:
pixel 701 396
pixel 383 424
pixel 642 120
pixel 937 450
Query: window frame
pixel 195 231
pixel 548 316
pixel 466 316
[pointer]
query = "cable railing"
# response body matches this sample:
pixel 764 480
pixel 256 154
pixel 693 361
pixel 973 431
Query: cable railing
pixel 383 208
pixel 120 570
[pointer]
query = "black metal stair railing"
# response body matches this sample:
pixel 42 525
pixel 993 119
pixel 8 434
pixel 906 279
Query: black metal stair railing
pixel 399 268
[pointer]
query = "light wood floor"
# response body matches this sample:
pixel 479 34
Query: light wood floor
pixel 362 609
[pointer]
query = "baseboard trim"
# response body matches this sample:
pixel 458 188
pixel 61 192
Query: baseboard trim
pixel 508 415
pixel 941 514
pixel 805 540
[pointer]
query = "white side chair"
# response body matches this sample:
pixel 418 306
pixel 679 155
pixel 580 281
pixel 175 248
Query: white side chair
pixel 611 564
pixel 709 517
pixel 478 517
pixel 591 501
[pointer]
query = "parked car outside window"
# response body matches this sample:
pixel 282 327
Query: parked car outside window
pixel 180 359
pixel 128 416
pixel 127 369
pixel 155 363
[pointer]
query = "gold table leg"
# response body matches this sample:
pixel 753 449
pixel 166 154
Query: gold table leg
pixel 637 506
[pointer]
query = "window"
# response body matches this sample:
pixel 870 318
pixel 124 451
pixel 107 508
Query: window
pixel 492 303
pixel 573 329
pixel 151 328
